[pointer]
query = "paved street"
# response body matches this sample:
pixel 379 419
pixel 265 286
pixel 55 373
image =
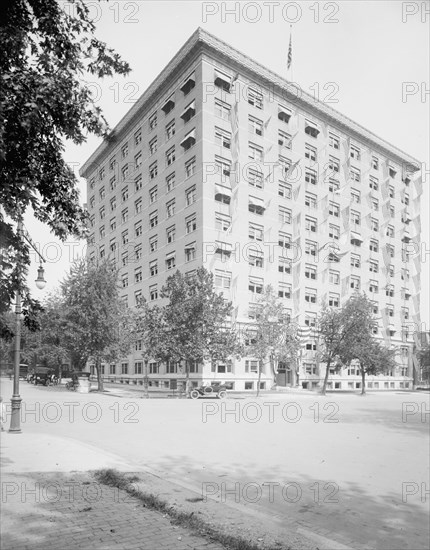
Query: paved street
pixel 347 469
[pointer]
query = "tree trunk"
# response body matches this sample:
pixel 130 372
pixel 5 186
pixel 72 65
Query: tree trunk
pixel 363 385
pixel 260 368
pixel 99 375
pixel 327 371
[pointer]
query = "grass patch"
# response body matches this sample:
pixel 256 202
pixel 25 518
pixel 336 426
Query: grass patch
pixel 189 520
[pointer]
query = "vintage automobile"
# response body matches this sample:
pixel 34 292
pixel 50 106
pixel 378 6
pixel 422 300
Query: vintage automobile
pixel 214 389
pixel 42 375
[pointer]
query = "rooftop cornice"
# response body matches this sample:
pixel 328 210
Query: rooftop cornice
pixel 201 41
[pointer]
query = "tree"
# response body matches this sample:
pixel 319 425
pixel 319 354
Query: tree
pixel 372 355
pixel 100 327
pixel 193 326
pixel 424 361
pixel 339 328
pixel 271 335
pixel 45 100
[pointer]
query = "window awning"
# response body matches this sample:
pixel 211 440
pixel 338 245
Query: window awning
pixel 254 252
pixel 190 136
pixel 356 237
pixel 191 246
pixel 190 107
pixel 312 128
pixel 256 201
pixel 284 113
pixel 222 79
pixel 225 247
pixel 171 254
pixel 221 190
pixel 169 104
pixel 189 83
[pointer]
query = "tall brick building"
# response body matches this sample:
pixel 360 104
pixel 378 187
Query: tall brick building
pixel 223 163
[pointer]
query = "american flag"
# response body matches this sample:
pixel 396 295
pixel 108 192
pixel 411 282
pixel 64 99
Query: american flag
pixel 290 54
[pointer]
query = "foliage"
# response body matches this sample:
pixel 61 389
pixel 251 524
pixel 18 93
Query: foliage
pixel 339 328
pixel 424 360
pixel 271 335
pixel 99 326
pixel 193 326
pixel 45 100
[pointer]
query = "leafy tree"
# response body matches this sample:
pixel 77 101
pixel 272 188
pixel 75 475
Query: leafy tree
pixel 424 361
pixel 193 326
pixel 373 357
pixel 271 335
pixel 339 328
pixel 45 100
pixel 99 326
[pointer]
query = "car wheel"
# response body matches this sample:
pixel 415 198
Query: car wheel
pixel 194 394
pixel 222 394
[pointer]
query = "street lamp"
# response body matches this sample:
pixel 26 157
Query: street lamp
pixel 15 419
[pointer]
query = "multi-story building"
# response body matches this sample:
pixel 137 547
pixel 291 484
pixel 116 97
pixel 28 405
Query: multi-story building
pixel 222 163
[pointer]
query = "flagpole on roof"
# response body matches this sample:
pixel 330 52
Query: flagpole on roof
pixel 290 57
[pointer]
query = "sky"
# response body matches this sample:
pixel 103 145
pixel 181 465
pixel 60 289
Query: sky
pixel 367 59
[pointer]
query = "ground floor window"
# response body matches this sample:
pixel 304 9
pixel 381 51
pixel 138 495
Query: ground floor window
pixel 138 367
pixel 249 385
pixel 262 385
pixel 166 384
pixel 376 385
pixel 358 385
pixel 154 383
pixel 251 365
pixel 350 385
pixel 112 369
pixel 124 368
pixel 337 385
pixel 370 384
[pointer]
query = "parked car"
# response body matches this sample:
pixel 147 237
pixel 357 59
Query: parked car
pixel 42 375
pixel 215 389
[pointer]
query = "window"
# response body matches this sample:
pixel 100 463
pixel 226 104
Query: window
pixel 284 265
pixel 255 98
pixel 102 193
pixel 222 81
pixel 153 121
pixel 355 217
pixel 284 291
pixel 255 178
pixel 333 209
pixel 310 153
pixel 374 224
pixel 284 113
pixel 190 167
pixel 255 231
pixel 170 156
pixel 284 139
pixel 124 259
pixel 310 319
pixel 333 300
pixel 255 126
pixel 222 222
pixel 170 234
pixel 124 281
pixel 153 243
pixel 169 104
pixel 138 252
pixel 113 204
pixel 170 182
pixel 390 231
pixel 92 183
pixel 102 251
pixel 222 110
pixel 355 196
pixel 373 286
pixel 124 237
pixel 354 152
pixel 153 292
pixel 251 366
pixel 138 161
pixel 138 229
pixel 153 170
pixel 138 276
pixel 355 283
pixel 223 167
pixel 333 185
pixel 256 205
pixel 153 194
pixel 255 258
pixel 333 141
pixel 310 272
pixel 310 368
pixel 373 245
pixel 311 295
pixel 334 232
pixel 153 219
pixel 190 252
pixel 138 182
pixel 170 262
pixel 334 277
pixel 392 171
pixel 389 292
pixel 153 268
pixel 311 129
pixel 255 287
pixel 154 367
pixel 124 150
pixel 170 130
pixel 191 223
pixel 375 163
pixel 102 231
pixel 310 248
pixel 375 205
pixel 310 176
pixel 170 208
pixel 311 200
pixel 222 138
pixel 310 224
pixel 284 215
pixel 373 183
pixel 255 152
pixel 355 260
pixel 113 224
pixel 189 112
pixel 102 212
pixel 390 250
pixel 190 195
pixel 373 266
pixel 284 190
pixel 354 174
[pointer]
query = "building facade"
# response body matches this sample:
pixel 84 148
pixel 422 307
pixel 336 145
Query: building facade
pixel 223 164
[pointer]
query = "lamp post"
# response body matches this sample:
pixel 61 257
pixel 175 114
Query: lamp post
pixel 146 380
pixel 15 419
